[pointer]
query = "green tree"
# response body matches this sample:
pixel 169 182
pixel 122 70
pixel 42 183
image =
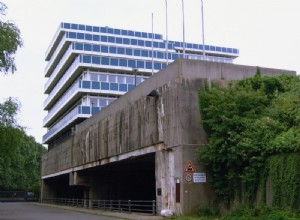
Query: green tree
pixel 246 122
pixel 10 40
pixel 19 153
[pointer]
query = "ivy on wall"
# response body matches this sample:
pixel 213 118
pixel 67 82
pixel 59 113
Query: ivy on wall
pixel 283 171
pixel 247 122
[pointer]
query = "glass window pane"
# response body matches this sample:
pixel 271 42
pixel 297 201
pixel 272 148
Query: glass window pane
pixel 144 53
pixel 74 26
pixel 96 29
pixel 95 60
pixel 121 50
pixel 148 43
pixel 103 29
pixel 129 79
pixel 86 59
pixel 141 43
pixel 157 66
pixel 104 38
pixel 114 86
pixel 67 25
pixel 104 61
pixel 103 77
pixel 138 34
pixel 123 87
pixel 128 51
pixel 118 40
pixel 96 48
pixel 160 55
pixel 80 36
pixel 72 35
pixel 93 76
pixel 112 78
pixel 114 62
pixel 162 45
pixel 112 49
pixel 111 39
pixel 117 31
pixel 121 79
pixel 123 62
pixel 137 52
pixel 82 27
pixel 104 49
pixel 148 65
pixel 105 85
pixel 95 85
pixel 103 102
pixel 126 41
pixel 140 64
pixel 144 34
pixel 87 47
pixel 88 28
pixel 96 37
pixel 86 84
pixel 133 42
pixel 130 33
pixel 110 30
pixel 79 46
pixel 124 32
pixel 131 63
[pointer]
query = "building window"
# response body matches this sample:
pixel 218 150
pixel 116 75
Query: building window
pixel 87 47
pixel 104 61
pixel 95 60
pixel 104 49
pixel 80 36
pixel 86 59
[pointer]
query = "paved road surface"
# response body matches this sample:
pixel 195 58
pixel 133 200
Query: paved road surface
pixel 33 211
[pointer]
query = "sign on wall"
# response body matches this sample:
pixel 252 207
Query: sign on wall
pixel 190 175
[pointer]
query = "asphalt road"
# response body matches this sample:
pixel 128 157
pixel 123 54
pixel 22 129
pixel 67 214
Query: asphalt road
pixel 33 211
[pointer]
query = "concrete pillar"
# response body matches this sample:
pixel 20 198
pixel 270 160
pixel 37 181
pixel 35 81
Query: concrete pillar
pixel 168 180
pixel 46 191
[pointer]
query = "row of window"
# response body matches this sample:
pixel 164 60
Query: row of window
pixel 110 30
pixel 125 51
pixel 146 43
pixel 116 78
pixel 112 61
pixel 118 87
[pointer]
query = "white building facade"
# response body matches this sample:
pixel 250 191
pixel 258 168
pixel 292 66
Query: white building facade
pixel 89 67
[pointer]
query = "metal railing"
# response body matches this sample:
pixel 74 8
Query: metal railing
pixel 141 206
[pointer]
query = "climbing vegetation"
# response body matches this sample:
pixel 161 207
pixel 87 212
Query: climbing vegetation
pixel 247 122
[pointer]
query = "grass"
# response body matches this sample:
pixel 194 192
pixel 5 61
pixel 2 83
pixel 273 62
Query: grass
pixel 257 213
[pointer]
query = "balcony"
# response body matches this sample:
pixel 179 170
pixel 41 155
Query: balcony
pixel 65 60
pixel 79 112
pixel 56 55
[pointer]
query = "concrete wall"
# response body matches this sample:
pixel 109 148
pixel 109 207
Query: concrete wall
pixel 168 124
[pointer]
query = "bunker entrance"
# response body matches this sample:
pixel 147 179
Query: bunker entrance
pixel 130 179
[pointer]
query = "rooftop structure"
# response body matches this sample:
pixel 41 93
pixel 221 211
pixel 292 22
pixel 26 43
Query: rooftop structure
pixel 89 67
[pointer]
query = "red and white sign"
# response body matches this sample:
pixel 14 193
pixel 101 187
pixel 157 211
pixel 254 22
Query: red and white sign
pixel 189 168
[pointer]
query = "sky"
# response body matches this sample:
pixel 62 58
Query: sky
pixel 266 32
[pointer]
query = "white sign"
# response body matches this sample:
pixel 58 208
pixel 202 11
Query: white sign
pixel 199 177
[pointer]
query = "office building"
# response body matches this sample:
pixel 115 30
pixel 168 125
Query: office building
pixel 88 67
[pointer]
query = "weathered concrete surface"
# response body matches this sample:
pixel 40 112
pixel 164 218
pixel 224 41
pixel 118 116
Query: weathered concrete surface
pixel 167 124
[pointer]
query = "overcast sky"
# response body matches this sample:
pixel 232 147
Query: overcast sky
pixel 266 32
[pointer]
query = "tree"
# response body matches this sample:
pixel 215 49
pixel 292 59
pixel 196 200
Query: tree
pixel 10 40
pixel 8 112
pixel 246 123
pixel 20 154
